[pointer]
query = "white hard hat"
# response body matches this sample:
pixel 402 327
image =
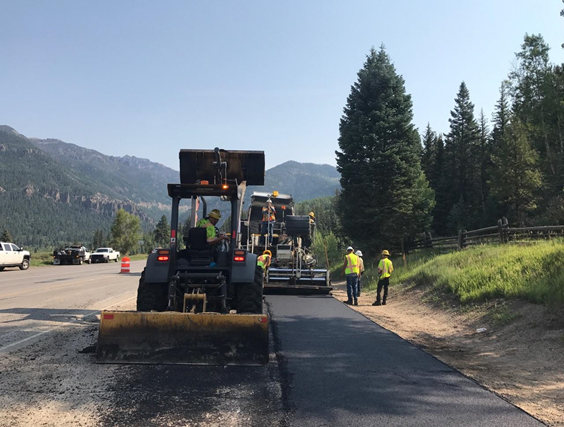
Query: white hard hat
pixel 350 248
pixel 358 253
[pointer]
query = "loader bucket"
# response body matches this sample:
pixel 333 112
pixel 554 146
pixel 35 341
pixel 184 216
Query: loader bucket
pixel 182 338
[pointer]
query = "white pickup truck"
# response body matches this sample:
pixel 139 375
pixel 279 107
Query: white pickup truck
pixel 13 256
pixel 104 255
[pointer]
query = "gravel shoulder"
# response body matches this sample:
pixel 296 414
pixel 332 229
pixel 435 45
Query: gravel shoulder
pixel 519 356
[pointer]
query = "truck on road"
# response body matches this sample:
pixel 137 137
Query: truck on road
pixel 105 255
pixel 13 256
pixel 73 254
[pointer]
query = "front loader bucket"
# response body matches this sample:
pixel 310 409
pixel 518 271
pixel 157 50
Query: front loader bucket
pixel 182 338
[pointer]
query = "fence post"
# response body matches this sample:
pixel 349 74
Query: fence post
pixel 459 239
pixel 429 240
pixel 505 226
pixel 500 230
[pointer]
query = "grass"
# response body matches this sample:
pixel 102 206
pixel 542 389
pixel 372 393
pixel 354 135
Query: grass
pixel 534 272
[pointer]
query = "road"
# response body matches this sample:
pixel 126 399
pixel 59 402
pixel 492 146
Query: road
pixel 329 366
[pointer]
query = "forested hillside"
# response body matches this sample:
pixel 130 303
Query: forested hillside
pixel 53 192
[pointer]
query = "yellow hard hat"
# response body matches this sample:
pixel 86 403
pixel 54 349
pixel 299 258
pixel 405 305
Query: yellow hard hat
pixel 215 214
pixel 385 252
pixel 267 252
pixel 311 214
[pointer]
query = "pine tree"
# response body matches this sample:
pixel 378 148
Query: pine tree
pixel 501 114
pixel 462 156
pixel 6 237
pixel 516 177
pixel 484 164
pixel 385 194
pixel 162 232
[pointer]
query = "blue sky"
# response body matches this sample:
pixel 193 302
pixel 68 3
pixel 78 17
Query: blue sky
pixel 147 78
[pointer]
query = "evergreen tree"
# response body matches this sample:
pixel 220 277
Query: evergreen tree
pixel 98 239
pixel 516 178
pixel 484 164
pixel 501 114
pixel 429 155
pixel 125 232
pixel 162 232
pixel 462 149
pixel 385 194
pixel 6 237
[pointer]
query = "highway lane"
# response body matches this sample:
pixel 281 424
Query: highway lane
pixel 329 366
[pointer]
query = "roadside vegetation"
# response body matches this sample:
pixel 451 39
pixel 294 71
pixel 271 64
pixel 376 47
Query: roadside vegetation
pixel 532 272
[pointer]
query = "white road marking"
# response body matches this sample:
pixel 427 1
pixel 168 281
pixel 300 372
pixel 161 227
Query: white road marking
pixel 3 349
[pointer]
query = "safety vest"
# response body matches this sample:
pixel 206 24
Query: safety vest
pixel 269 216
pixel 352 264
pixel 211 230
pixel 262 261
pixel 387 268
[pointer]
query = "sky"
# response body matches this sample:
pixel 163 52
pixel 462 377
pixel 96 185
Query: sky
pixel 147 78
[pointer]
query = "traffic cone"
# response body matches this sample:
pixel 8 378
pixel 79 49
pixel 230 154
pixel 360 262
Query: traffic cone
pixel 125 266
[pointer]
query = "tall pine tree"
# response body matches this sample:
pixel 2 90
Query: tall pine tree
pixel 385 194
pixel 462 148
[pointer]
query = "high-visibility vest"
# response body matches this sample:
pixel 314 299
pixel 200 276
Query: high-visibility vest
pixel 352 264
pixel 387 268
pixel 262 261
pixel 269 215
pixel 211 230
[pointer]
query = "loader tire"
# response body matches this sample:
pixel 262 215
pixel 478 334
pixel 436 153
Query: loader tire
pixel 250 295
pixel 151 296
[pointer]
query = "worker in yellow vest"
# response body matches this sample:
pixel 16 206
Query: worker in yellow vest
pixel 385 270
pixel 263 261
pixel 351 267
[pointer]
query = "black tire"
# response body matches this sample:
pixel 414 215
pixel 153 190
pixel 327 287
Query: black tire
pixel 80 261
pixel 117 259
pixel 151 296
pixel 24 265
pixel 249 295
pixel 1 268
pixel 89 261
pixel 106 260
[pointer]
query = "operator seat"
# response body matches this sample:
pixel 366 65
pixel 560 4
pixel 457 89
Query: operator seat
pixel 199 252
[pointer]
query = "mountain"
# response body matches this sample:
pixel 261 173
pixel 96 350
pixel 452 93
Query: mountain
pixel 53 192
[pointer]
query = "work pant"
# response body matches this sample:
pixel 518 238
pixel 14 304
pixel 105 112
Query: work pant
pixel 359 286
pixel 382 283
pixel 352 286
pixel 266 228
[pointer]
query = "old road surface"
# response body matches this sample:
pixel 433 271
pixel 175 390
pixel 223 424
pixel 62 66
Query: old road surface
pixel 329 366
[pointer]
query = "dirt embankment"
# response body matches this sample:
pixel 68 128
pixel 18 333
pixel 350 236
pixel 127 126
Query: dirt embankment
pixel 520 356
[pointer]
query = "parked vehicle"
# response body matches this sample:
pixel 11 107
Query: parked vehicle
pixel 105 255
pixel 74 254
pixel 13 256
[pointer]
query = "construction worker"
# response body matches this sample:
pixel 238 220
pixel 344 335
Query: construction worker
pixel 213 237
pixel 360 268
pixel 264 260
pixel 351 269
pixel 308 240
pixel 385 270
pixel 268 220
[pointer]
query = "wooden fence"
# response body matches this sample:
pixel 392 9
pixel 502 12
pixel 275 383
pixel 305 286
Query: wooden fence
pixel 500 233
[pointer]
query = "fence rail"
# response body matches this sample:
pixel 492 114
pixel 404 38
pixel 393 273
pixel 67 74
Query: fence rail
pixel 500 233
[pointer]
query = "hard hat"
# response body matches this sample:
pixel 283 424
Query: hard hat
pixel 350 248
pixel 385 252
pixel 215 214
pixel 268 201
pixel 358 253
pixel 267 252
pixel 311 214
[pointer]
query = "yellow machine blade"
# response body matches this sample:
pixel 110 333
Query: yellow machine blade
pixel 182 338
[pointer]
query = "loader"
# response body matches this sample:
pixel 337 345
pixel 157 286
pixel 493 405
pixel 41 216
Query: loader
pixel 293 269
pixel 197 304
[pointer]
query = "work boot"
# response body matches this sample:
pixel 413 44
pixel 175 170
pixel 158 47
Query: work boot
pixel 349 302
pixel 355 302
pixel 383 302
pixel 376 303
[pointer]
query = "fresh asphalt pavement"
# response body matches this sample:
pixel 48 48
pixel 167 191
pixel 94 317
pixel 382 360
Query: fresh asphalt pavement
pixel 342 369
pixel 329 366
